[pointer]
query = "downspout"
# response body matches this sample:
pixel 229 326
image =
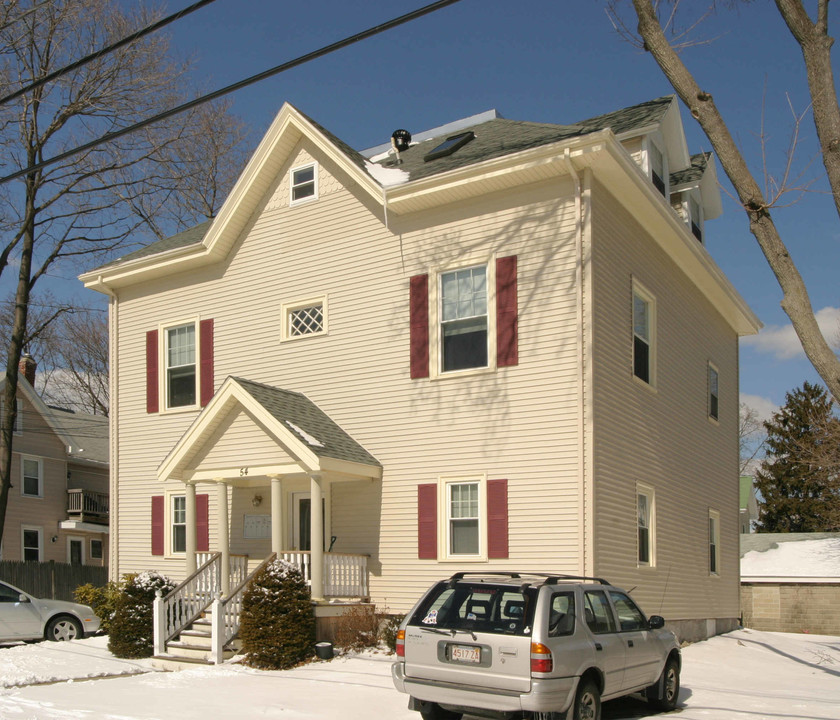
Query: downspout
pixel 114 438
pixel 579 314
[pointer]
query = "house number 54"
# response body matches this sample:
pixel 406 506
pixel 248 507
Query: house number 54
pixel 243 471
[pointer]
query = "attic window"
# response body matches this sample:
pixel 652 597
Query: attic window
pixel 304 183
pixel 449 146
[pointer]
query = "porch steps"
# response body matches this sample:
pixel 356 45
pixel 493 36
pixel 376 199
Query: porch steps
pixel 193 647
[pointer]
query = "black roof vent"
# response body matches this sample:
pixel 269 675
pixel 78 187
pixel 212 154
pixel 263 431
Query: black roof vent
pixel 450 145
pixel 401 140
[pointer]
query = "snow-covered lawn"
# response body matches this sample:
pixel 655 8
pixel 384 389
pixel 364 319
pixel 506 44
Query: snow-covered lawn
pixel 743 675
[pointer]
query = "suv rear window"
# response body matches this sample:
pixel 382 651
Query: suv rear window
pixel 477 607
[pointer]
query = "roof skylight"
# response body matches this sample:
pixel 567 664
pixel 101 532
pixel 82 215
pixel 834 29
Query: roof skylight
pixel 450 145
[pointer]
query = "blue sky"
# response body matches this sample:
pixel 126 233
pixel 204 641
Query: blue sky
pixel 545 61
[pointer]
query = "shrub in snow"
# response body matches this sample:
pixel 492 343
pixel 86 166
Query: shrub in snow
pixel 363 626
pixel 102 599
pixel 277 623
pixel 131 626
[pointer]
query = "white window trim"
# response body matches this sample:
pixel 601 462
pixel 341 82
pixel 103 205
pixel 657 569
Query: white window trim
pixel 287 308
pixel 163 365
pixel 714 515
pixel 168 517
pixel 666 175
pixel 40 532
pixel 650 299
pixel 435 346
pixel 443 517
pixel 650 494
pixel 711 367
pixel 40 462
pixel 81 541
pixel 309 198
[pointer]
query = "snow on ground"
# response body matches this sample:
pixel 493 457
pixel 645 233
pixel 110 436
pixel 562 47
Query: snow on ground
pixel 743 675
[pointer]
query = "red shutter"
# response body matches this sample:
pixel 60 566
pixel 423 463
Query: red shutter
pixel 507 321
pixel 427 521
pixel 157 524
pixel 419 326
pixel 205 348
pixel 497 519
pixel 202 522
pixel 152 371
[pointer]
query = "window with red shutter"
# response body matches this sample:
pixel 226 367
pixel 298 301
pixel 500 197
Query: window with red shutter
pixel 152 401
pixel 497 519
pixel 419 326
pixel 427 521
pixel 507 313
pixel 205 346
pixel 202 522
pixel 157 524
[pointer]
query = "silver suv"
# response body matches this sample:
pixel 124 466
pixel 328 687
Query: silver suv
pixel 505 645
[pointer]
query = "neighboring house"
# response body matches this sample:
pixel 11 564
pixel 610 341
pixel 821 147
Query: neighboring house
pixel 504 347
pixel 790 582
pixel 749 504
pixel 58 503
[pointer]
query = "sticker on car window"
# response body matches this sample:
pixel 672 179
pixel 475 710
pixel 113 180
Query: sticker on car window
pixel 431 618
pixel 471 616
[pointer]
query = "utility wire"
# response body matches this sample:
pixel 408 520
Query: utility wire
pixel 370 32
pixel 104 51
pixel 20 17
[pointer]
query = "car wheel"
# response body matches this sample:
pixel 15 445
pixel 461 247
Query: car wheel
pixel 670 683
pixel 587 702
pixel 436 712
pixel 63 627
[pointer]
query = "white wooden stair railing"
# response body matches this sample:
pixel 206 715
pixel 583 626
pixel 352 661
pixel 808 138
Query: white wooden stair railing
pixel 226 612
pixel 184 605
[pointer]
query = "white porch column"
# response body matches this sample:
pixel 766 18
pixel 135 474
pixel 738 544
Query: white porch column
pixel 191 563
pixel 224 535
pixel 316 524
pixel 276 514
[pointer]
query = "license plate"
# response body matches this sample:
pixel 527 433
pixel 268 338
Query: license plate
pixel 464 653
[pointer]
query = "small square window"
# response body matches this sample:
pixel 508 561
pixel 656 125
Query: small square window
pixel 304 183
pixel 301 319
pixel 31 477
pixel 714 397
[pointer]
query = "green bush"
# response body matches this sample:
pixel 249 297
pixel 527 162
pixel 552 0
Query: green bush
pixel 131 634
pixel 388 629
pixel 277 624
pixel 102 599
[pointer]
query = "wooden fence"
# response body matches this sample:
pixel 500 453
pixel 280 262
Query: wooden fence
pixel 51 580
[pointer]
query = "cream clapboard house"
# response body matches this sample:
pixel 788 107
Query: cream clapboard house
pixel 58 504
pixel 502 347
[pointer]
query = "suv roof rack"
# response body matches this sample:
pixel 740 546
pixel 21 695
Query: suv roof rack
pixel 549 578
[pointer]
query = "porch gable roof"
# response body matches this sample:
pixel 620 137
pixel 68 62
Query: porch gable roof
pixel 305 433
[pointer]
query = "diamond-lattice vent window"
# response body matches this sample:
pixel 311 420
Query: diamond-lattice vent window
pixel 304 318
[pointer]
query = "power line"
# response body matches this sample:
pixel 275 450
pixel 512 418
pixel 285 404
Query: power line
pixel 370 32
pixel 104 51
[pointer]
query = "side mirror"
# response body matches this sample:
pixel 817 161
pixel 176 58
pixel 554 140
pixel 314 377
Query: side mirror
pixel 24 598
pixel 655 622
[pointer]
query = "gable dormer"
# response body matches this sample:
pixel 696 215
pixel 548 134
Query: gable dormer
pixel 695 196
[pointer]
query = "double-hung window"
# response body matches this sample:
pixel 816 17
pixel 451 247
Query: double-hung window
pixel 714 542
pixel 644 328
pixel 31 471
pixel 695 218
pixel 645 516
pixel 657 167
pixel 714 393
pixel 462 503
pixel 304 183
pixel 31 544
pixel 180 366
pixel 179 523
pixel 464 319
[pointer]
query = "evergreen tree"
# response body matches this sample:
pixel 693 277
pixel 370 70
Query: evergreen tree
pixel 798 482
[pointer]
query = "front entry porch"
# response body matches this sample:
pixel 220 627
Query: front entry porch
pixel 251 444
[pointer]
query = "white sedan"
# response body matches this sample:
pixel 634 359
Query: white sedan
pixel 23 617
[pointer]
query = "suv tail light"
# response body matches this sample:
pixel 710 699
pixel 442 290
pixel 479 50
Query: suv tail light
pixel 541 660
pixel 401 643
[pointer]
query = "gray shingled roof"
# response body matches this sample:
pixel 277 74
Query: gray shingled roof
pixel 90 432
pixel 295 410
pixel 694 172
pixel 494 138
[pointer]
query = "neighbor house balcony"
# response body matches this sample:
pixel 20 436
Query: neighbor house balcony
pixel 88 506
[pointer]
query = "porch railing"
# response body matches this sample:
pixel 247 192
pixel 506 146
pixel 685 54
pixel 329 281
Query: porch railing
pixel 94 505
pixel 345 575
pixel 226 614
pixel 238 566
pixel 181 607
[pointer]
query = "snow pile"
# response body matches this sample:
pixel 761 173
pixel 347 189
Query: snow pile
pixel 387 177
pixel 797 559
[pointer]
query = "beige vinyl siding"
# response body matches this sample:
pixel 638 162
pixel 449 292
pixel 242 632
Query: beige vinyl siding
pixel 518 423
pixel 661 436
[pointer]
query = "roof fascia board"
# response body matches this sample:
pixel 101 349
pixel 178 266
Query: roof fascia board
pixel 354 469
pixel 689 254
